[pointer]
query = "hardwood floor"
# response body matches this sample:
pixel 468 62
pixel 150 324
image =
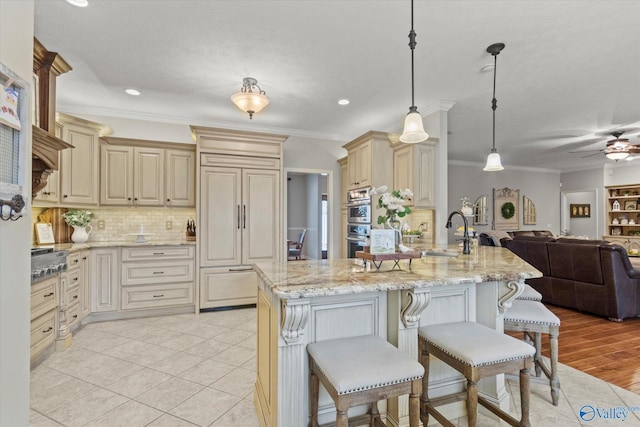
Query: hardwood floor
pixel 607 350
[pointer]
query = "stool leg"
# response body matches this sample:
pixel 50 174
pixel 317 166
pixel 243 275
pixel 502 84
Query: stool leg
pixel 314 391
pixel 424 398
pixel 374 414
pixel 553 349
pixel 524 393
pixel 472 403
pixel 414 403
pixel 538 357
pixel 342 417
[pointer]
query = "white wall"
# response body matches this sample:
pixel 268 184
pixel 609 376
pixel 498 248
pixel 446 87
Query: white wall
pixel 582 226
pixel 585 180
pixel 541 186
pixel 16 53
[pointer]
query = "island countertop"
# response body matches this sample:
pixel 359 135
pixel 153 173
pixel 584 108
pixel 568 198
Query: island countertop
pixel 317 278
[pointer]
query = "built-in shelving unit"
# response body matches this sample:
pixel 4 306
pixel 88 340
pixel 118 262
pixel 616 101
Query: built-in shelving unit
pixel 622 221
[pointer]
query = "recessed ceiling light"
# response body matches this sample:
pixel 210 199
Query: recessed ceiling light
pixel 79 3
pixel 343 102
pixel 132 92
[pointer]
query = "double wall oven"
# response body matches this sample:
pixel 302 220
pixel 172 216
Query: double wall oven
pixel 359 211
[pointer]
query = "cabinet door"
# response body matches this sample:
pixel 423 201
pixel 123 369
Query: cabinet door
pixel 403 169
pixel 180 178
pixel 148 176
pixel 79 165
pixel 363 165
pixel 105 279
pixel 116 175
pixel 260 215
pixel 227 287
pixel 51 191
pixel 424 186
pixel 220 216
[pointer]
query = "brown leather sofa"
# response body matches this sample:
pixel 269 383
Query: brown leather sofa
pixel 587 275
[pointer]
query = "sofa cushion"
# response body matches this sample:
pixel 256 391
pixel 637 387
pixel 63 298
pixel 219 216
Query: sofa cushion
pixel 582 241
pixel 577 262
pixel 532 249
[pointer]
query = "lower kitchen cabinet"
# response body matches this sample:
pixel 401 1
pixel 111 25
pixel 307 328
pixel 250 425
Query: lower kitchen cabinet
pixel 105 279
pixel 44 315
pixel 157 296
pixel 222 287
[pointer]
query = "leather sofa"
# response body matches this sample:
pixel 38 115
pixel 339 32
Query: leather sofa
pixel 592 276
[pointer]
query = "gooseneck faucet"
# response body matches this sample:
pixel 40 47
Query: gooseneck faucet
pixel 466 250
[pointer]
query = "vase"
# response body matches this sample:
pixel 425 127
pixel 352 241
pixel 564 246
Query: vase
pixel 467 210
pixel 80 234
pixel 394 223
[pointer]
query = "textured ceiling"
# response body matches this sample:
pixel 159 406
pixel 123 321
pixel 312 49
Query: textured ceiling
pixel 570 72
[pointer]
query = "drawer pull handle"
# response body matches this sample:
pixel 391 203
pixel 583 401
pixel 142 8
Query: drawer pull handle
pixel 158 253
pixel 75 279
pixel 75 261
pixel 50 294
pixel 158 272
pixel 241 269
pixel 75 316
pixel 158 296
pixel 49 329
pixel 75 297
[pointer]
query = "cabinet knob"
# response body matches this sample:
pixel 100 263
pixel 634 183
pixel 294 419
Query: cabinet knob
pixel 168 200
pixel 135 199
pixel 65 196
pixel 129 198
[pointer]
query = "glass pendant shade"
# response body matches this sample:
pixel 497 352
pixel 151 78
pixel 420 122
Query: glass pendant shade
pixel 250 102
pixel 413 129
pixel 493 162
pixel 618 154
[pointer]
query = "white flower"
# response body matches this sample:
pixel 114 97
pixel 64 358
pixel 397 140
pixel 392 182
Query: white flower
pixel 406 193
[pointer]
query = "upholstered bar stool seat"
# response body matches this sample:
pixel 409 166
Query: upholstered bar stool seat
pixel 362 370
pixel 534 319
pixel 529 294
pixel 475 351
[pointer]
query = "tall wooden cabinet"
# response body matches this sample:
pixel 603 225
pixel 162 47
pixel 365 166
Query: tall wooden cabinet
pixel 240 205
pixel 414 168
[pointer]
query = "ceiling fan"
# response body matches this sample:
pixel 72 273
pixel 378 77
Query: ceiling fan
pixel 616 149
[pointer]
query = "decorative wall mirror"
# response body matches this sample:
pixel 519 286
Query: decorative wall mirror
pixel 505 208
pixel 480 211
pixel 528 211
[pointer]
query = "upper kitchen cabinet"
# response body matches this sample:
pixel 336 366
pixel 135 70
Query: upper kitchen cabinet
pixel 414 168
pixel 79 166
pixel 146 173
pixel 369 160
pixel 51 191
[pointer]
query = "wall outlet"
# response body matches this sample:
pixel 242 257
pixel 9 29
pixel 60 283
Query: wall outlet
pixel 168 225
pixel 101 224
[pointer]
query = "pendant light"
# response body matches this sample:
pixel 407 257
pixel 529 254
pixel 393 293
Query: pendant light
pixel 413 130
pixel 251 98
pixel 493 159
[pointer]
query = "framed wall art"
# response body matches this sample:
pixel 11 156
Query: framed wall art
pixel 506 208
pixel 577 210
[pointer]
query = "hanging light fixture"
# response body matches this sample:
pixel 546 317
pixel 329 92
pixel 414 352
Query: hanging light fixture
pixel 493 159
pixel 251 98
pixel 413 130
pixel 618 148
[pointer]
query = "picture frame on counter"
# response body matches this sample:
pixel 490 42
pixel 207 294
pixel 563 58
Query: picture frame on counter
pixel 383 241
pixel 44 233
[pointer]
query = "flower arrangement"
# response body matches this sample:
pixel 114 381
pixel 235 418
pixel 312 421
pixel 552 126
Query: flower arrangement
pixel 392 202
pixel 77 217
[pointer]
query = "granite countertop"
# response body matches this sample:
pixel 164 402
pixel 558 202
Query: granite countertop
pixel 74 247
pixel 317 278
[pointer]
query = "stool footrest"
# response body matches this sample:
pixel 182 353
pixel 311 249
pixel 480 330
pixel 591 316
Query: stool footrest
pixel 499 412
pixel 356 421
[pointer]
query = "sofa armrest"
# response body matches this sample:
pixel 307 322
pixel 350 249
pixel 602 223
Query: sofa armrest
pixel 623 281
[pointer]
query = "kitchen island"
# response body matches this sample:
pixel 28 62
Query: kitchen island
pixel 307 301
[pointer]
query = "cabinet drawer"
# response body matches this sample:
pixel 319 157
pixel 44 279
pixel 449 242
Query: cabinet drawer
pixel 153 296
pixel 153 253
pixel 73 260
pixel 43 332
pixel 156 272
pixel 208 159
pixel 44 296
pixel 221 288
pixel 72 316
pixel 69 295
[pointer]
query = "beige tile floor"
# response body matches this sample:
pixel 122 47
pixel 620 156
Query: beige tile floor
pixel 188 369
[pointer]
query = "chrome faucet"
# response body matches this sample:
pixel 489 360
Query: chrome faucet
pixel 465 237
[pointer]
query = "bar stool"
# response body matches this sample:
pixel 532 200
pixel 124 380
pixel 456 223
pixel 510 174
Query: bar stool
pixel 475 351
pixel 534 319
pixel 362 370
pixel 529 294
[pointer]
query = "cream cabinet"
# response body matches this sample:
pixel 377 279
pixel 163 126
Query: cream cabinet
pixel 79 166
pixel 622 219
pixel 85 284
pixel 144 173
pixel 105 279
pixel 414 168
pixel 180 178
pixel 369 161
pixel 157 277
pixel 131 176
pixel 240 185
pixel 44 315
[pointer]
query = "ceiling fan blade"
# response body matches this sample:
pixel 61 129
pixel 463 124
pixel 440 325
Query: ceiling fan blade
pixel 585 151
pixel 591 155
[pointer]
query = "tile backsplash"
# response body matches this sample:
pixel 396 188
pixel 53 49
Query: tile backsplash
pixel 120 222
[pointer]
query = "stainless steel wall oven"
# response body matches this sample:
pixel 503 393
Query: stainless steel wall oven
pixel 359 210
